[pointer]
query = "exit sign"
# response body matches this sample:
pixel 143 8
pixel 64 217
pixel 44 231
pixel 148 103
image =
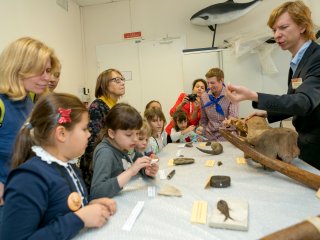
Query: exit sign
pixel 132 35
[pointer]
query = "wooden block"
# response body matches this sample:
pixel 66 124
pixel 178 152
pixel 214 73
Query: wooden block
pixel 238 211
pixel 203 144
pixel 209 163
pixel 170 162
pixel 207 185
pixel 241 160
pixel 199 212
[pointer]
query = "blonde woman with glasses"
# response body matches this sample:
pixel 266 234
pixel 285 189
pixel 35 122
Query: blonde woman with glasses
pixel 110 87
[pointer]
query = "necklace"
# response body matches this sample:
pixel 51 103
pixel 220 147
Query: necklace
pixel 156 142
pixel 77 197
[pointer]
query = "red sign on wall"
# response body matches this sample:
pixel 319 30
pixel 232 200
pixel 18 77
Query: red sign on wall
pixel 132 35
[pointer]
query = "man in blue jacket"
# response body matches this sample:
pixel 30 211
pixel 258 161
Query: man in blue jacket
pixel 293 31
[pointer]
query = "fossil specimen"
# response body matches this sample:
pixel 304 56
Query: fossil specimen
pixel 220 181
pixel 307 178
pixel 223 207
pixel 216 148
pixel 188 145
pixel 276 143
pixel 169 190
pixel 182 160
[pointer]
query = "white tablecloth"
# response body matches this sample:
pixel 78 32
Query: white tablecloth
pixel 275 201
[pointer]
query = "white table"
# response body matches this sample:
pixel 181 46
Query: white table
pixel 275 201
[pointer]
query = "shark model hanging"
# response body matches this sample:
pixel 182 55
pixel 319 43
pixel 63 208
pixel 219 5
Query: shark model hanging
pixel 221 13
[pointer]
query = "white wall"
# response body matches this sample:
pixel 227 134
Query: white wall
pixel 106 24
pixel 48 22
pixel 142 60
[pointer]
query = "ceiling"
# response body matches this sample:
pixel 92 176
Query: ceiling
pixel 84 3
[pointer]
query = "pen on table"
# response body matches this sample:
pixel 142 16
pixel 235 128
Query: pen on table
pixel 171 174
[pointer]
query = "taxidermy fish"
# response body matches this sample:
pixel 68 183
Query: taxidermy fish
pixel 222 12
pixel 223 207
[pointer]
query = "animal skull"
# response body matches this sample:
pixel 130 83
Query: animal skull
pixel 275 143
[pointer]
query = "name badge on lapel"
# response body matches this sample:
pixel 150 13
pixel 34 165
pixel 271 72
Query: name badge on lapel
pixel 296 82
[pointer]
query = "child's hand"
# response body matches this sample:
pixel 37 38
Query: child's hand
pixel 93 215
pixel 107 202
pixel 227 122
pixel 1 193
pixel 199 130
pixel 153 156
pixel 199 139
pixel 152 170
pixel 191 128
pixel 188 129
pixel 140 163
pixel 184 101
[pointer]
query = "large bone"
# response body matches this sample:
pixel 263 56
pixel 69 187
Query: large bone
pixel 300 231
pixel 307 178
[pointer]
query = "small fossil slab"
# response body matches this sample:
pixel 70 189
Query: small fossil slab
pixel 169 190
pixel 189 145
pixel 223 207
pixel 182 160
pixel 219 181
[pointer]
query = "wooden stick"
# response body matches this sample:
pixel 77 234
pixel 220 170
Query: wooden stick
pixel 300 231
pixel 307 178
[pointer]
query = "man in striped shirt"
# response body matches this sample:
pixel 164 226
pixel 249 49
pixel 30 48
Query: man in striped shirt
pixel 215 107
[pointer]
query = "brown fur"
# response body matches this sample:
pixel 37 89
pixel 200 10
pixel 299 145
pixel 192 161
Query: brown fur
pixel 239 124
pixel 275 143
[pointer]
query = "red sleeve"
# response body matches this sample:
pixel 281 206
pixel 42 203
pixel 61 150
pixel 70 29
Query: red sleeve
pixel 169 127
pixel 180 99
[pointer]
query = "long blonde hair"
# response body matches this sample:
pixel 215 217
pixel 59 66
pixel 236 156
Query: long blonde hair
pixel 23 58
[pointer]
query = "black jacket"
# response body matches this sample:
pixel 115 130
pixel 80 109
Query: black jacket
pixel 302 103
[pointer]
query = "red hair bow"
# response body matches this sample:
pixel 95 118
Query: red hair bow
pixel 64 115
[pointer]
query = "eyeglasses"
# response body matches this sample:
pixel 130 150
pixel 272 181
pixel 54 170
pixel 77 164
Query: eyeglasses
pixel 118 79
